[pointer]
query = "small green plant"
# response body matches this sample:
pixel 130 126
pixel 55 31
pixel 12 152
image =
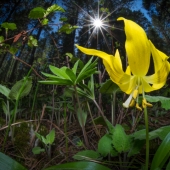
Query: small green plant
pixel 47 142
pixel 72 78
pixel 19 90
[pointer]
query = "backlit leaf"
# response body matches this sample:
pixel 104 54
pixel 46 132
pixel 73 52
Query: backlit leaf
pixel 36 13
pixel 53 8
pixel 10 26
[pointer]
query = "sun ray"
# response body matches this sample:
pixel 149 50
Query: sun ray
pixel 96 23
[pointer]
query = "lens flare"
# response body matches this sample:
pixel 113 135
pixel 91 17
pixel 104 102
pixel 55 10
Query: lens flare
pixel 97 23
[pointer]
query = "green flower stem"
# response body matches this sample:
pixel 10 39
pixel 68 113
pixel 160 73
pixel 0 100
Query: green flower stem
pixel 83 127
pixel 65 128
pixel 113 107
pixel 147 139
pixel 92 119
pixel 34 100
pixel 101 112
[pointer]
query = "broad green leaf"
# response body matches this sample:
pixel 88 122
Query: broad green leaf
pixel 50 137
pixel 162 154
pixel 57 82
pixel 37 150
pixel 136 147
pixel 140 134
pixel 161 133
pixel 87 70
pixel 81 165
pixel 71 75
pixel 88 90
pixel 10 26
pixel 44 140
pixel 5 108
pixel 105 145
pixel 38 136
pixel 88 73
pixel 109 87
pixel 60 72
pixel 82 116
pixel 91 86
pixel 20 89
pixel 84 93
pixel 4 90
pixel 75 67
pixel 51 76
pixel 67 28
pixel 41 138
pixel 7 163
pixel 121 141
pixel 86 155
pixel 36 13
pixel 110 127
pixel 164 101
pixel 53 8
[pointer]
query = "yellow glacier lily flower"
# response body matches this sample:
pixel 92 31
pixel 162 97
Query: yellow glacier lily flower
pixel 139 49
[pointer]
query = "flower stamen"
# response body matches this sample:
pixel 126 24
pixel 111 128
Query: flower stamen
pixel 138 107
pixel 145 103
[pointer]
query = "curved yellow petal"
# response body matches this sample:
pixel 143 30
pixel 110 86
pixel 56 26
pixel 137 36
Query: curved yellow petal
pixel 128 71
pixel 112 63
pixel 137 47
pixel 158 57
pixel 145 86
pixel 128 83
pixel 107 57
pixel 160 76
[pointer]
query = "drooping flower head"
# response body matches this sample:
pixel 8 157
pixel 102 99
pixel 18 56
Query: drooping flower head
pixel 139 50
